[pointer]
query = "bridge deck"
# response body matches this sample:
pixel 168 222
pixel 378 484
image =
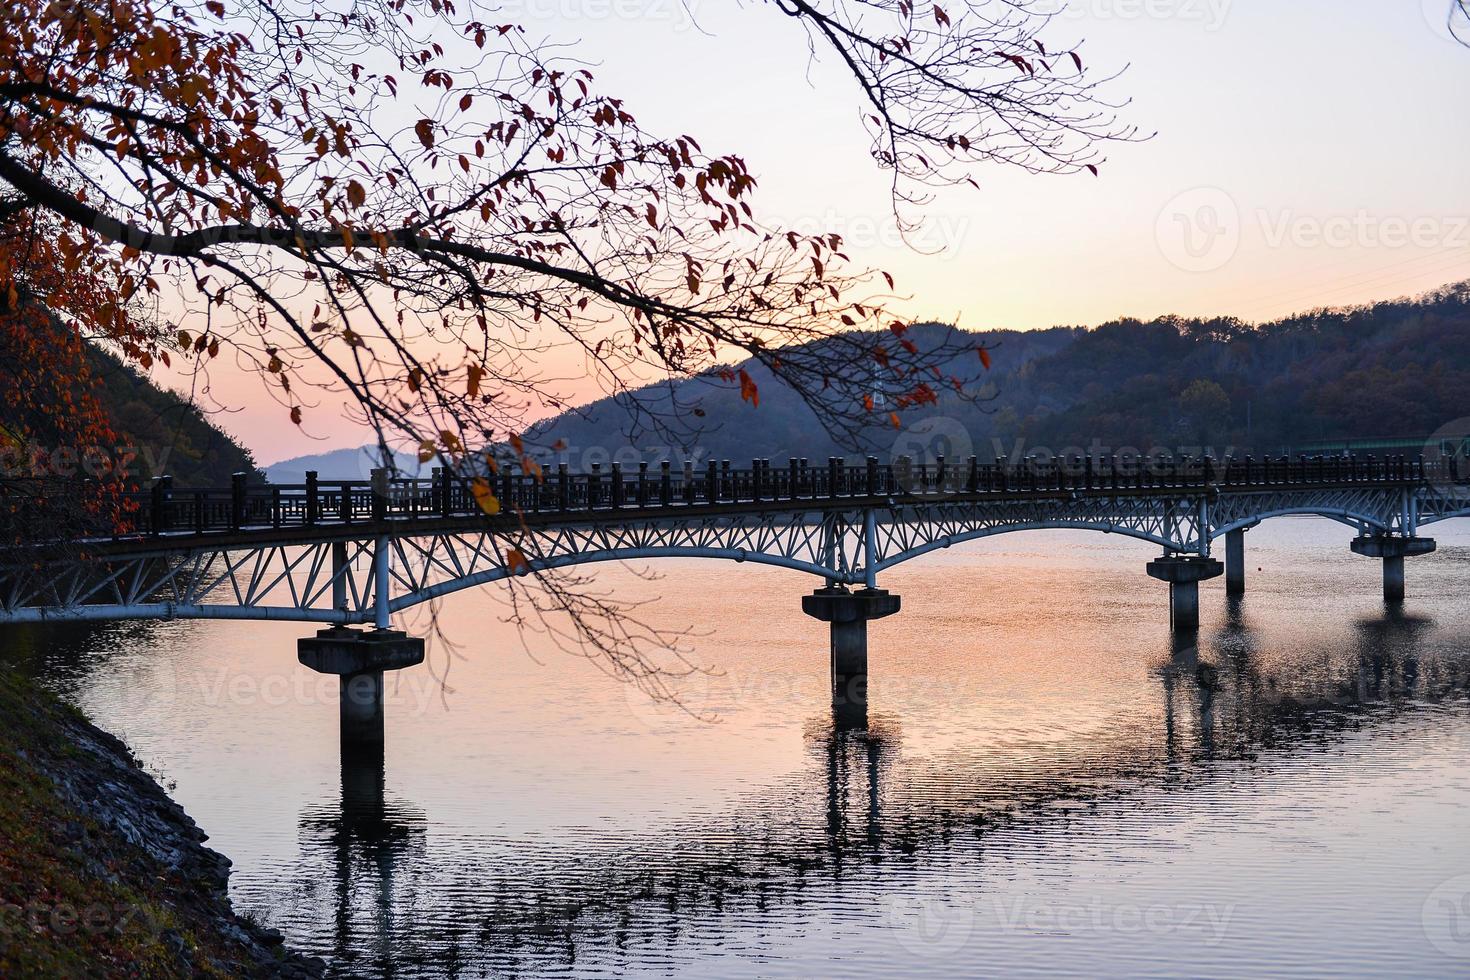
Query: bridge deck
pixel 325 510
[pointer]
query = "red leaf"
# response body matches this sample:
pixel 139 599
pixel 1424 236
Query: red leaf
pixel 984 357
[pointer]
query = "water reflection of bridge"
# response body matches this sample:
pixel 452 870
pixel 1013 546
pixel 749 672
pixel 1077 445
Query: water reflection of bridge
pixel 861 809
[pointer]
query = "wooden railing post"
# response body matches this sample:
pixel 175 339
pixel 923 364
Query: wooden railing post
pixel 237 501
pixel 158 505
pixel 665 484
pixel 313 501
pixel 380 494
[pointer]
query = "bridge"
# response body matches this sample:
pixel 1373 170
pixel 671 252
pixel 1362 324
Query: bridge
pixel 349 553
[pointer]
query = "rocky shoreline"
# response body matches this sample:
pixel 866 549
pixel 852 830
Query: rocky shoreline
pixel 101 872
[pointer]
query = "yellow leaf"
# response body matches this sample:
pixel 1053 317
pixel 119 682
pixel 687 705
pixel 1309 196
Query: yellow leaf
pixel 484 496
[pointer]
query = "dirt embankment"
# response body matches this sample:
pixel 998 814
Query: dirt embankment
pixel 101 874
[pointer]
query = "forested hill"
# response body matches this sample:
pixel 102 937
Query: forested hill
pixel 168 434
pixel 1393 369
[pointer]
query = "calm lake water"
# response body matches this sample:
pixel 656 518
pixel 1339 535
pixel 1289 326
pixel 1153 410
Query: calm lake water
pixel 1044 784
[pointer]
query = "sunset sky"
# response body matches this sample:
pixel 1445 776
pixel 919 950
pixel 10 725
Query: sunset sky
pixel 1308 153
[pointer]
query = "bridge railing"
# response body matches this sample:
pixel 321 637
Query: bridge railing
pixel 165 509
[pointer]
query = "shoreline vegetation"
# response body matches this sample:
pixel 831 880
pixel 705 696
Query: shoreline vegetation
pixel 101 872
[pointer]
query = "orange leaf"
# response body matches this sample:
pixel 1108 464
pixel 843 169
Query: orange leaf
pixel 484 496
pixel 748 390
pixel 984 357
pixel 472 386
pixel 516 561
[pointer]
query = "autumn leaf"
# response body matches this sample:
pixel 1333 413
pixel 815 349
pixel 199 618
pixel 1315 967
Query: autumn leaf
pixel 515 561
pixel 984 357
pixel 296 415
pixel 472 381
pixel 425 132
pixel 748 390
pixel 484 496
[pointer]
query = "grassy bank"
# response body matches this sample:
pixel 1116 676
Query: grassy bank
pixel 101 874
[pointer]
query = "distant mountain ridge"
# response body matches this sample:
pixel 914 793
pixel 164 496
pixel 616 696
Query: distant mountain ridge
pixel 1397 368
pixel 338 464
pixel 1184 385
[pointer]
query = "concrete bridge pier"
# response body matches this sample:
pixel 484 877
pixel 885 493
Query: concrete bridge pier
pixel 849 613
pixel 359 658
pixel 1235 562
pixel 1184 574
pixel 1393 550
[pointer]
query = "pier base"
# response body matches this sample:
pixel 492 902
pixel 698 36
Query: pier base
pixel 359 658
pixel 1393 551
pixel 848 613
pixel 1235 562
pixel 1184 574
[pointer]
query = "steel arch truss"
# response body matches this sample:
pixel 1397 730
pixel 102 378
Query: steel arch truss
pixel 906 532
pixel 361 580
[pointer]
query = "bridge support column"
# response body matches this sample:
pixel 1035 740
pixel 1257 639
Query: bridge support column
pixel 359 658
pixel 848 613
pixel 1184 574
pixel 1393 551
pixel 1235 562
